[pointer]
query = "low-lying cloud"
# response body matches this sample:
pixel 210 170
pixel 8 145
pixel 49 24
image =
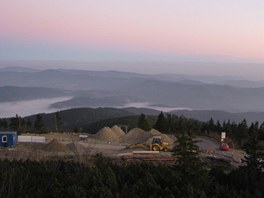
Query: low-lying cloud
pixel 25 108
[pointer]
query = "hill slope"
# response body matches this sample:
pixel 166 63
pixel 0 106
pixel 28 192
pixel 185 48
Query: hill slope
pixel 93 119
pixel 77 118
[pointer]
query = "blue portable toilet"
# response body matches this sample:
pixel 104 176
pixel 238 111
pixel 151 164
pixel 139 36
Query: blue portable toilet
pixel 8 138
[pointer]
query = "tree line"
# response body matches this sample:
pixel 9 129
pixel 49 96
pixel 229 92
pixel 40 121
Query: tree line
pixel 166 123
pixel 189 176
pixel 22 125
pixel 238 132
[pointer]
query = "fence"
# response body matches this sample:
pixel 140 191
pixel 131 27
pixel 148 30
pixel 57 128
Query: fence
pixel 30 138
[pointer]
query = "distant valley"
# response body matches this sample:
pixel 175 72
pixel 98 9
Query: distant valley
pixel 25 91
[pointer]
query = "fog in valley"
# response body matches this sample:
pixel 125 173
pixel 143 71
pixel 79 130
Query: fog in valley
pixel 30 107
pixel 26 91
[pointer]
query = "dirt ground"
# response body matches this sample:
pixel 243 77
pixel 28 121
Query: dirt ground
pixel 70 146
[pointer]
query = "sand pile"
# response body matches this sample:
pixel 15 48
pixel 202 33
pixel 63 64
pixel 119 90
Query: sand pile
pixel 154 132
pixel 118 131
pixel 135 135
pixel 106 134
pixel 164 137
pixel 55 146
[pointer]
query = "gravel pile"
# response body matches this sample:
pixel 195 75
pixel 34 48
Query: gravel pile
pixel 135 135
pixel 154 132
pixel 106 134
pixel 118 131
pixel 55 146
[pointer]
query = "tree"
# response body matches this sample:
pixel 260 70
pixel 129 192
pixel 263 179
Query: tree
pixel 183 124
pixel 143 122
pixel 3 124
pixel 188 163
pixel 211 125
pixel 218 126
pixel 58 122
pixel 242 131
pixel 14 123
pixel 161 123
pixel 29 125
pixel 227 127
pixel 261 131
pixel 169 123
pixel 255 152
pixel 39 124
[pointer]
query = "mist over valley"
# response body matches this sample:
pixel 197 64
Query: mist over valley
pixel 26 91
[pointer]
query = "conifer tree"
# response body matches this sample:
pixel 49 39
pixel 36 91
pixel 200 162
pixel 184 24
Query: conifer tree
pixel 14 123
pixel 3 124
pixel 161 123
pixel 143 122
pixel 188 164
pixel 39 124
pixel 255 152
pixel 58 122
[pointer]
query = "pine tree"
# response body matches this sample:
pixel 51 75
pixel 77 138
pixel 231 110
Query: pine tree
pixel 3 124
pixel 58 122
pixel 188 163
pixel 39 124
pixel 261 131
pixel 143 122
pixel 242 131
pixel 211 125
pixel 14 123
pixel 183 124
pixel 255 152
pixel 169 123
pixel 161 123
pixel 29 125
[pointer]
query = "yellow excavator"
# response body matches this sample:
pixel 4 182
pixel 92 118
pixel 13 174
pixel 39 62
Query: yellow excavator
pixel 158 144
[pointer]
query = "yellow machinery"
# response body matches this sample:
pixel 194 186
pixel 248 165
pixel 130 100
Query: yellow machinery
pixel 158 144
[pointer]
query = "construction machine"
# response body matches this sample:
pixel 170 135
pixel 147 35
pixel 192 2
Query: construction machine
pixel 158 144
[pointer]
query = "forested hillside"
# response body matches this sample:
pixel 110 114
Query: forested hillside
pixel 89 120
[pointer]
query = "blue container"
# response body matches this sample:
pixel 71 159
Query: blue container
pixel 8 138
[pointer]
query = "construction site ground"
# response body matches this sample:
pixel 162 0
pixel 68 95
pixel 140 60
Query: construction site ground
pixel 71 146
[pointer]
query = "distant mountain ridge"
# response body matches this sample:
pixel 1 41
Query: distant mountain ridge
pixel 205 115
pixel 119 89
pixel 11 93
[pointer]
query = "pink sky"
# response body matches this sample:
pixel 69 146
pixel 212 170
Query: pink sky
pixel 173 27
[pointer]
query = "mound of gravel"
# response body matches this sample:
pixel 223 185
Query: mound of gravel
pixel 55 146
pixel 106 134
pixel 154 132
pixel 118 131
pixel 135 135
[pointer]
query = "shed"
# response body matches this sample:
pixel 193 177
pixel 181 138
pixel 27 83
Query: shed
pixel 8 138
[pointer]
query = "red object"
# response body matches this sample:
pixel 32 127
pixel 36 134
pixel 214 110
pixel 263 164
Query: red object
pixel 224 147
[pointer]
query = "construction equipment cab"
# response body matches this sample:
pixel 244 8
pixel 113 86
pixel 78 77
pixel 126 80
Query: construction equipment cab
pixel 158 144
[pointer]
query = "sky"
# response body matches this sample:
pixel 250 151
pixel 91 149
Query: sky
pixel 133 31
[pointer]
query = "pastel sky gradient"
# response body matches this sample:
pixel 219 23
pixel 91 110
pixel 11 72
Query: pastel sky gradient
pixel 132 30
